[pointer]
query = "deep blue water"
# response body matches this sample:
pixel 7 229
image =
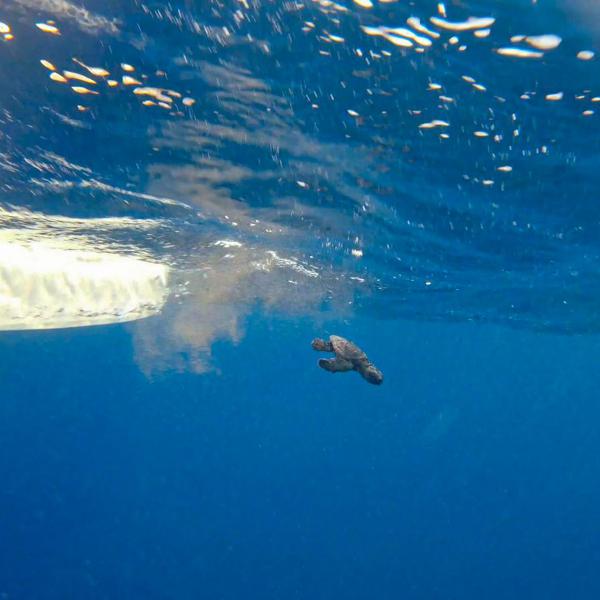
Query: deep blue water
pixel 297 171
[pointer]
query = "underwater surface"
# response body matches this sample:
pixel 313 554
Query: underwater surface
pixel 191 191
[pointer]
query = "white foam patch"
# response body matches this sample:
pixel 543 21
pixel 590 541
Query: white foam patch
pixel 65 10
pixel 43 286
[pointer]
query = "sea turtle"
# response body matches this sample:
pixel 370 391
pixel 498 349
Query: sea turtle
pixel 348 357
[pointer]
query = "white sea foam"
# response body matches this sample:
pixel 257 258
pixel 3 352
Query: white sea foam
pixel 44 286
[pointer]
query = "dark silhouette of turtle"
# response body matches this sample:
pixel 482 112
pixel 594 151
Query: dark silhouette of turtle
pixel 348 357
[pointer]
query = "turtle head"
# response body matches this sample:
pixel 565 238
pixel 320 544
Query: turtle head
pixel 319 344
pixel 372 374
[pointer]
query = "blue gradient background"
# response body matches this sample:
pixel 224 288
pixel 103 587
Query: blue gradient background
pixel 471 473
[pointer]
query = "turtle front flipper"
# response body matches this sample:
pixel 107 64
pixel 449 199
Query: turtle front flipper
pixel 321 345
pixel 336 365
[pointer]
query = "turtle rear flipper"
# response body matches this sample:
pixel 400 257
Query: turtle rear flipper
pixel 335 365
pixel 371 373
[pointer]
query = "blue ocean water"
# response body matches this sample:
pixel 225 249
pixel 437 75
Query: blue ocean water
pixel 191 191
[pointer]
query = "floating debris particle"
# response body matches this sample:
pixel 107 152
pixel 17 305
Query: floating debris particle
pixel 488 182
pixel 453 40
pixel 357 252
pixel 416 24
pixel 83 90
pixel 82 108
pixel 58 77
pixel 78 77
pixel 554 97
pixel 585 55
pixel 407 33
pixel 372 30
pixel 188 101
pixel 95 71
pixel 47 64
pixel 156 93
pixel 587 113
pixel 519 52
pixel 544 42
pixel 470 24
pixel 127 80
pixel 433 124
pixel 398 40
pixel 48 28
